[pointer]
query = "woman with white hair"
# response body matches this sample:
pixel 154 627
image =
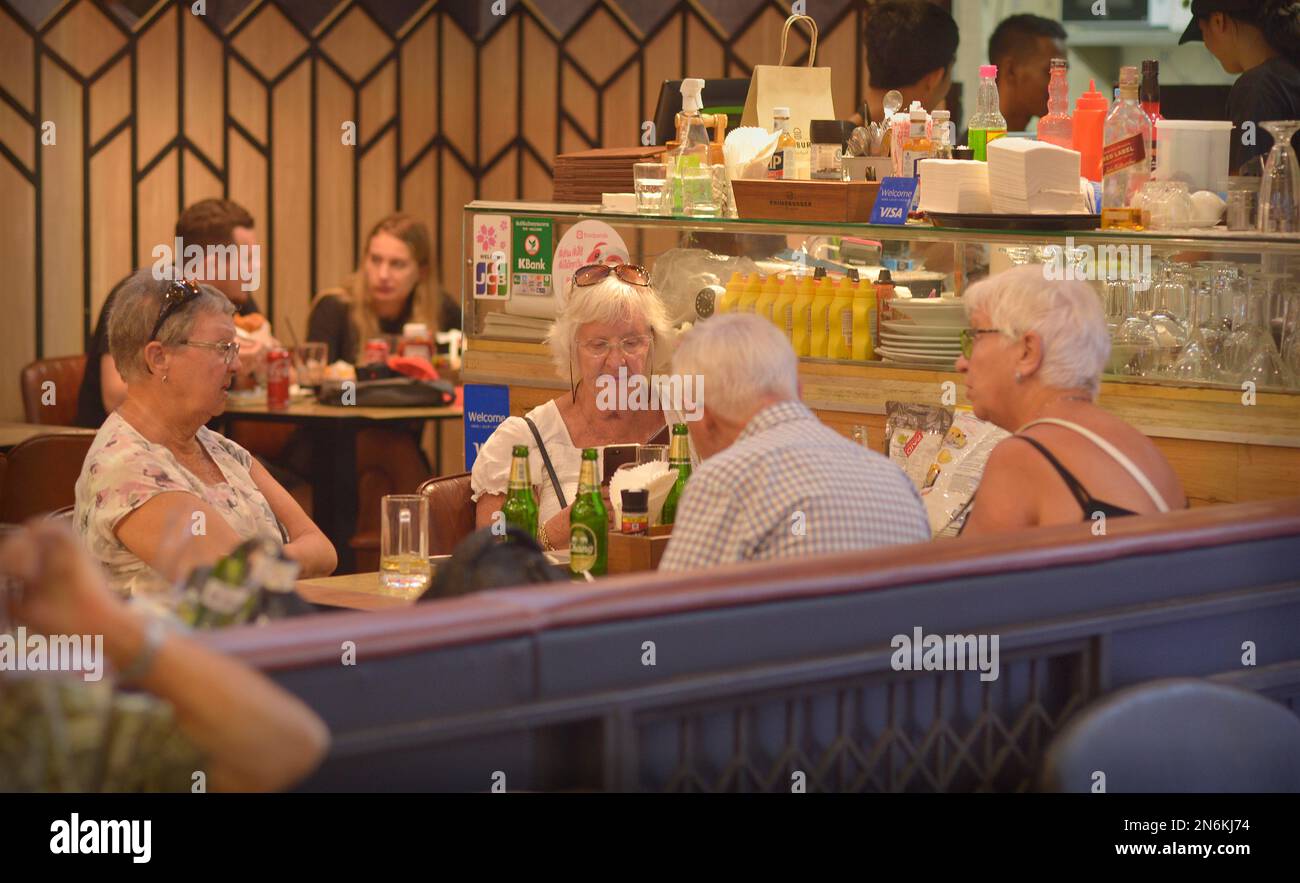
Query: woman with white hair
pixel 1033 358
pixel 159 492
pixel 613 323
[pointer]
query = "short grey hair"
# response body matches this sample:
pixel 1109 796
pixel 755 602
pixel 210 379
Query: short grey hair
pixel 609 300
pixel 135 309
pixel 742 358
pixel 1066 314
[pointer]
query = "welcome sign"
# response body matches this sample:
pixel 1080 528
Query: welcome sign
pixel 894 201
pixel 486 406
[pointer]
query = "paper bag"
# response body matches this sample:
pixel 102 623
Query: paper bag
pixel 805 90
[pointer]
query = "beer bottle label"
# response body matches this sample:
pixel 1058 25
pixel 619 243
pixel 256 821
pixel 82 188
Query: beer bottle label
pixel 582 548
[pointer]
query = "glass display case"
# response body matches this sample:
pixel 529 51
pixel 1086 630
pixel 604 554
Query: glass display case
pixel 1205 324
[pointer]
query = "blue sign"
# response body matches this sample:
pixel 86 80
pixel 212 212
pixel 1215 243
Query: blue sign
pixel 485 406
pixel 893 200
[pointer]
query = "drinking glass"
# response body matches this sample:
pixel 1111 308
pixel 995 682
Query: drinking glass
pixel 651 454
pixel 1279 189
pixel 404 544
pixel 309 360
pixel 1195 363
pixel 698 200
pixel 651 182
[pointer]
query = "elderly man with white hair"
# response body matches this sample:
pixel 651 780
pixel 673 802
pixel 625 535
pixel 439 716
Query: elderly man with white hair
pixel 775 481
pixel 1033 358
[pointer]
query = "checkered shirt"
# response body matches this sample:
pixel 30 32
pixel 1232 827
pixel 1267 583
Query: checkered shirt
pixel 791 486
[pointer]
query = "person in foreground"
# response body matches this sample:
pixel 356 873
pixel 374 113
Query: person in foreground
pixel 1033 358
pixel 159 492
pixel 613 321
pixel 199 712
pixel 775 482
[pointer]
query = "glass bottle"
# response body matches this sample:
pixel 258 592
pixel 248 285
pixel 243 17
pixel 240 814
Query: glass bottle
pixel 588 522
pixel 679 458
pixel 689 160
pixel 520 508
pixel 782 165
pixel 1149 98
pixel 1126 156
pixel 1058 127
pixel 988 123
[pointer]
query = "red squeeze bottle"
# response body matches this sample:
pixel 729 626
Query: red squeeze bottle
pixel 1089 127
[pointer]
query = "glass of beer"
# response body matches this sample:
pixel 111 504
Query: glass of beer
pixel 404 544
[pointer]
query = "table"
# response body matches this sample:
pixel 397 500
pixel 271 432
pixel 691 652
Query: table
pixel 357 591
pixel 14 434
pixel 334 454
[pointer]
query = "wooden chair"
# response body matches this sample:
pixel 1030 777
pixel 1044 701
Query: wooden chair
pixel 66 372
pixel 451 512
pixel 42 475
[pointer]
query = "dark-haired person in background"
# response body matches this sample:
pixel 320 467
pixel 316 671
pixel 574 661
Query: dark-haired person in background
pixel 1023 47
pixel 209 222
pixel 1259 39
pixel 911 46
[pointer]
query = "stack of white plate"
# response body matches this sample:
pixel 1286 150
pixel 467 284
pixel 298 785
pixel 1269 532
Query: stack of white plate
pixel 926 331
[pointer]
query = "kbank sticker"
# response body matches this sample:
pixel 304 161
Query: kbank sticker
pixel 531 261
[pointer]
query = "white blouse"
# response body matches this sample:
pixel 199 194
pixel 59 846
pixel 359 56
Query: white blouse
pixel 491 472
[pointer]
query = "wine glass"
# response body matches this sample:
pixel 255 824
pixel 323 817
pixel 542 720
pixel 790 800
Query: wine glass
pixel 1195 362
pixel 1279 189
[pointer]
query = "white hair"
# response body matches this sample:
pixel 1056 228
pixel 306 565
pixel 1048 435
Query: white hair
pixel 135 311
pixel 1066 314
pixel 742 357
pixel 609 300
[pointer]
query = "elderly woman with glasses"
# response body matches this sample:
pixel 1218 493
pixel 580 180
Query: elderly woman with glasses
pixel 159 492
pixel 613 325
pixel 1033 358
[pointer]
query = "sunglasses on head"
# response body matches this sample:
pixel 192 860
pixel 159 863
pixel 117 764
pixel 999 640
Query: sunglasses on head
pixel 177 295
pixel 632 274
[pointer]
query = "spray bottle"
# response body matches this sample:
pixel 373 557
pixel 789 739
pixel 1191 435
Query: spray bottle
pixel 692 152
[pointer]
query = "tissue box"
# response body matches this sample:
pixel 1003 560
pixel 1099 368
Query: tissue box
pixel 631 553
pixel 805 200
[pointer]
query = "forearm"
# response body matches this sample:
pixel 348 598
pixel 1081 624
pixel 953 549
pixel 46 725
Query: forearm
pixel 254 735
pixel 314 553
pixel 557 530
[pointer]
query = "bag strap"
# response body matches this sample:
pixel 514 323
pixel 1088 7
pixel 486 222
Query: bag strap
pixel 1115 454
pixel 785 34
pixel 546 461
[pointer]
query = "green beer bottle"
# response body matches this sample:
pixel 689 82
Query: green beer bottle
pixel 588 522
pixel 679 457
pixel 520 508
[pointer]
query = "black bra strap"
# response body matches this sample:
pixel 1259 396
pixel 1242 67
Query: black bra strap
pixel 1083 497
pixel 546 460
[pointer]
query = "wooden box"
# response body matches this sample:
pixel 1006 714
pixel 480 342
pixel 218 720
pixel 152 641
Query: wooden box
pixel 805 200
pixel 630 553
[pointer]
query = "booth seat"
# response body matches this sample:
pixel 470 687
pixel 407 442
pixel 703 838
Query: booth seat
pixel 764 677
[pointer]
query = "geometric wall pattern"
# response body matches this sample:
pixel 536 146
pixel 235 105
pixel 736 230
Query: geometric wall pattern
pixel 150 107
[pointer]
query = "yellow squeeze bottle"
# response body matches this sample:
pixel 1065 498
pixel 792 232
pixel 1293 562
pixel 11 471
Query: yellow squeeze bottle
pixel 839 339
pixel 749 297
pixel 767 297
pixel 729 300
pixel 802 327
pixel 820 315
pixel 783 308
pixel 864 320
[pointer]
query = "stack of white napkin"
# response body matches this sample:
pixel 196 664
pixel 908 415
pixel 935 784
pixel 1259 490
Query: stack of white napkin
pixel 1033 177
pixel 958 186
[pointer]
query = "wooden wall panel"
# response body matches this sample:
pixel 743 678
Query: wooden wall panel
pixel 18 135
pixel 62 267
pixel 378 101
pixel 378 191
pixel 110 206
pixel 110 99
pixel 500 61
pixel 662 61
pixel 420 198
pixel 200 183
pixel 838 51
pixel 541 109
pixel 204 94
pixel 156 201
pixel 290 266
pixel 500 179
pixel 457 79
pixel 269 41
pixel 85 38
pixel 246 178
pixel 457 189
pixel 355 43
pixel 16 62
pixel 579 100
pixel 334 180
pixel 155 110
pixel 601 45
pixel 18 258
pixel 419 79
pixel 537 183
pixel 247 100
pixel 622 118
pixel 704 55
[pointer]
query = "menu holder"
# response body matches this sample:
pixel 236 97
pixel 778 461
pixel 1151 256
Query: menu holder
pixel 848 201
pixel 632 553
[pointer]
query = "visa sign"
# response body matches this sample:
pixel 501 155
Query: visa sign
pixel 893 201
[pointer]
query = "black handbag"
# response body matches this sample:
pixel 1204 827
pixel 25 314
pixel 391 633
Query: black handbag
pixel 394 392
pixel 484 560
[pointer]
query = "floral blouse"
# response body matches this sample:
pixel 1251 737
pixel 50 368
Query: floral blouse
pixel 123 471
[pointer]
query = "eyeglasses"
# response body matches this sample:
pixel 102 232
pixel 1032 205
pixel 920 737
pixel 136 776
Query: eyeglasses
pixel 968 336
pixel 229 349
pixel 178 294
pixel 632 274
pixel 599 347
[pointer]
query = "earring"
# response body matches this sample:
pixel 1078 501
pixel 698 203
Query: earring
pixel 1019 377
pixel 165 376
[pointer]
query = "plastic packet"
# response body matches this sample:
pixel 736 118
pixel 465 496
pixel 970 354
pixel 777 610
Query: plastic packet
pixel 915 432
pixel 955 472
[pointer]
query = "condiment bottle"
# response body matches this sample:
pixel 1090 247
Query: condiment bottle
pixel 783 308
pixel 820 317
pixel 864 322
pixel 749 297
pixel 767 297
pixel 735 286
pixel 636 511
pixel 1089 126
pixel 988 123
pixel 417 343
pixel 801 331
pixel 839 340
pixel 884 294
